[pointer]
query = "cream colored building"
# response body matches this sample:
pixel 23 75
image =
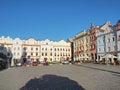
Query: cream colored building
pixel 36 50
pixel 81 46
pixel 62 50
pixel 47 50
pixel 31 49
pixel 55 51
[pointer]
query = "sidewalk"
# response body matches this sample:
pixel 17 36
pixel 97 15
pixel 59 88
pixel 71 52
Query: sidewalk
pixel 107 68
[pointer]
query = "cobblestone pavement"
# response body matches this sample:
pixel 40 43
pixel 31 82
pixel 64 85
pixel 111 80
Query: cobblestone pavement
pixel 61 77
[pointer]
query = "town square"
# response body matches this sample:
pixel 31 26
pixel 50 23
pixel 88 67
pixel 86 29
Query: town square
pixel 61 77
pixel 59 45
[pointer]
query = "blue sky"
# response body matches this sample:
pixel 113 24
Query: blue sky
pixel 54 19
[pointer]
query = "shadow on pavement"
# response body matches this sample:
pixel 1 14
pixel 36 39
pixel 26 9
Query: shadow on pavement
pixel 52 82
pixel 98 69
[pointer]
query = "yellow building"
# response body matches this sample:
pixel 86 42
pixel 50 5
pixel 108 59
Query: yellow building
pixel 81 46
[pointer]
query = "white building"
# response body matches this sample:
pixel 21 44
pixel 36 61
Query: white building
pixel 17 49
pixel 47 50
pixel 106 40
pixel 118 39
pixel 31 49
pixel 110 39
pixel 55 51
pixel 36 50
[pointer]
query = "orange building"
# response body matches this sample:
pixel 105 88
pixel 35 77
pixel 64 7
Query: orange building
pixel 92 44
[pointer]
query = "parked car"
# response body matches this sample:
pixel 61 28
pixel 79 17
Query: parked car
pixel 18 64
pixel 65 62
pixel 34 63
pixel 26 64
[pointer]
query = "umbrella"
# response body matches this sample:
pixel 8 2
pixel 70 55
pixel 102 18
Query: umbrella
pixel 109 56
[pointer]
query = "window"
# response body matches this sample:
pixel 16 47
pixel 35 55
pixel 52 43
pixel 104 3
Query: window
pixel 42 48
pixel 68 49
pixel 50 54
pixel 18 54
pixel 51 59
pixel 36 54
pixel 42 54
pixel 114 48
pixel 99 41
pixel 31 48
pixel 36 48
pixel 99 49
pixel 18 48
pixel 31 54
pixel 50 49
pixel 113 39
pixel 24 48
pixel 45 54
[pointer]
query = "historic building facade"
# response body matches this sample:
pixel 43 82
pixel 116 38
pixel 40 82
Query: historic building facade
pixel 100 43
pixel 6 46
pixel 31 49
pixel 17 49
pixel 47 50
pixel 106 40
pixel 110 39
pixel 62 50
pixel 35 50
pixel 55 51
pixel 92 42
pixel 81 48
pixel 118 39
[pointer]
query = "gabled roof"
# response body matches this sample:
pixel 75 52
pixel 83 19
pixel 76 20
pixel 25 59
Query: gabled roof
pixel 103 27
